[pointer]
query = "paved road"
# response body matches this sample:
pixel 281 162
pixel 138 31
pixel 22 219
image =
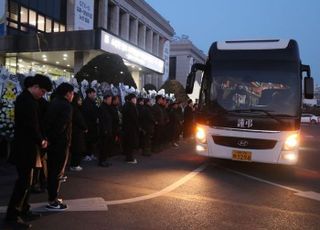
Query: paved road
pixel 178 189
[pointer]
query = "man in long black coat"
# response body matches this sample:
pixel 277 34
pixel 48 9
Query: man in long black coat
pixel 159 116
pixel 90 113
pixel 116 126
pixel 130 128
pixel 58 130
pixel 147 124
pixel 105 128
pixel 28 140
pixel 79 129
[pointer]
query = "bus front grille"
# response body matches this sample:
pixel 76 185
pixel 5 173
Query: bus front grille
pixel 244 143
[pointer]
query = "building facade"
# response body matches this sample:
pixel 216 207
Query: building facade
pixel 183 54
pixel 58 37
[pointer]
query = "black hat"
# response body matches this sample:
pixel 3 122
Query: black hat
pixel 106 96
pixel 158 97
pixel 130 96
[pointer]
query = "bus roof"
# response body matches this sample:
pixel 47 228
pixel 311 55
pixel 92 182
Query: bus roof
pixel 275 49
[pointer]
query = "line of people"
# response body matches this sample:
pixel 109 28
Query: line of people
pixel 51 135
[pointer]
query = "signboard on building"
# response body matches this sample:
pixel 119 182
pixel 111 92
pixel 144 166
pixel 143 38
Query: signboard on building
pixel 3 17
pixel 166 57
pixel 83 14
pixel 113 44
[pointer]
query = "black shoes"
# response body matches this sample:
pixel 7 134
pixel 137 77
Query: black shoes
pixel 56 205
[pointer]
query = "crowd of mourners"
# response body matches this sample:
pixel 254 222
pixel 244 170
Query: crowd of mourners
pixel 51 137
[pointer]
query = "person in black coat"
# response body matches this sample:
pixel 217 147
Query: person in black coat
pixel 159 116
pixel 116 125
pixel 174 124
pixel 188 119
pixel 105 130
pixel 90 113
pixel 28 140
pixel 130 127
pixel 147 125
pixel 79 129
pixel 140 109
pixel 58 130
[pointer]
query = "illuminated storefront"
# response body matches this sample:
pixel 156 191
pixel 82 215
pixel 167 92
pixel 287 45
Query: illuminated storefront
pixel 59 37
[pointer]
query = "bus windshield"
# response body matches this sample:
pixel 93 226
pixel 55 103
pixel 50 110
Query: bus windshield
pixel 268 88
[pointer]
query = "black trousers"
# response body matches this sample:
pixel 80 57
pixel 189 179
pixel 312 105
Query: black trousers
pixel 106 145
pixel 57 160
pixel 147 137
pixel 75 159
pixel 19 201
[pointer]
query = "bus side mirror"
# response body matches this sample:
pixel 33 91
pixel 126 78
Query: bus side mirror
pixel 192 76
pixel 308 88
pixel 190 82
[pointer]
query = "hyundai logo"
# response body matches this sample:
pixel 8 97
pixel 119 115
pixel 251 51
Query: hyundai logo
pixel 243 143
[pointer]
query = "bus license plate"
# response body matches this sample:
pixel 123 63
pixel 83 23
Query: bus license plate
pixel 241 155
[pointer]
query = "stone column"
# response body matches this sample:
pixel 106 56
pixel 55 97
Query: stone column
pixel 142 36
pixel 155 44
pixel 114 26
pixel 161 46
pixel 103 14
pixel 2 59
pixel 149 40
pixel 134 31
pixel 136 78
pixel 125 25
pixel 70 15
pixel 80 58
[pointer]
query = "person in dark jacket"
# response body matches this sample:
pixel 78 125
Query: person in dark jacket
pixel 58 130
pixel 116 125
pixel 28 140
pixel 188 119
pixel 105 130
pixel 140 109
pixel 159 116
pixel 147 125
pixel 79 129
pixel 174 124
pixel 90 113
pixel 130 128
pixel 39 178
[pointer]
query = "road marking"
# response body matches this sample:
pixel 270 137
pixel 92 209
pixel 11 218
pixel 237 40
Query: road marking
pixel 76 205
pixel 307 194
pixel 163 191
pixel 99 204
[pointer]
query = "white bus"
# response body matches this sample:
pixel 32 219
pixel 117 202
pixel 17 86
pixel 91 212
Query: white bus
pixel 250 101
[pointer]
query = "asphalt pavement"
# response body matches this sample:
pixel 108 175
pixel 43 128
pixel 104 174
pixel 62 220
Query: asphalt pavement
pixel 178 189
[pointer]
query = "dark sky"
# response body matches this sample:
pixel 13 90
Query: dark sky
pixel 206 21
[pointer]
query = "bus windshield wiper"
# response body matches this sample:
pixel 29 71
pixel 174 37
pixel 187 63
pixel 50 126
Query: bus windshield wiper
pixel 256 110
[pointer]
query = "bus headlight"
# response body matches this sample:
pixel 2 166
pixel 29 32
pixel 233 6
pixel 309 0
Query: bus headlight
pixel 292 142
pixel 291 156
pixel 201 135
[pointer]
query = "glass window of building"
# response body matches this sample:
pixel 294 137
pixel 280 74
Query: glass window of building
pixel 48 25
pixel 32 18
pixel 41 22
pixel 56 27
pixel 62 28
pixel 13 25
pixel 24 15
pixel 14 11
